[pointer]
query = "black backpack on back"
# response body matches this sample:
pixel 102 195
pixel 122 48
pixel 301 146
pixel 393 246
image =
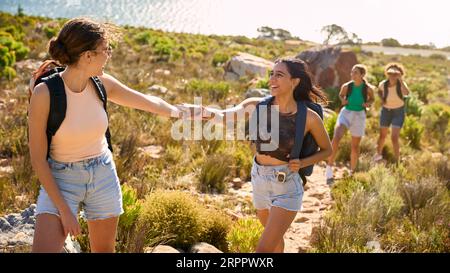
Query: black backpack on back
pixel 304 145
pixel 58 102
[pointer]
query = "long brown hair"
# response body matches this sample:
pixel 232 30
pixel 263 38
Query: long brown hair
pixel 306 90
pixel 77 36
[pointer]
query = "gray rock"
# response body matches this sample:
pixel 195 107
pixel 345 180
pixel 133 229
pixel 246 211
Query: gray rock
pixel 244 64
pixel 5 225
pixel 71 246
pixel 203 248
pixel 14 218
pixel 257 92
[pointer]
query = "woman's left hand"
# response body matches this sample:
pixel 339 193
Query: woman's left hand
pixel 294 165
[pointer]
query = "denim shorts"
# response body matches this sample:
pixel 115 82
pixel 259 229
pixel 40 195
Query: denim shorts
pixel 396 117
pixel 268 191
pixel 355 121
pixel 91 183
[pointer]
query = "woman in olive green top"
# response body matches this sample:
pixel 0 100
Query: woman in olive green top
pixel 356 95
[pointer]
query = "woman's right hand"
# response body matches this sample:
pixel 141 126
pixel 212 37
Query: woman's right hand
pixel 70 223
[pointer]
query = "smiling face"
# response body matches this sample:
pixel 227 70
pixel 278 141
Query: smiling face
pixel 280 81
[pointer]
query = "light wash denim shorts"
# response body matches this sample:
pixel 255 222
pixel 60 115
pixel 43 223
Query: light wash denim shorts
pixel 91 183
pixel 355 121
pixel 268 191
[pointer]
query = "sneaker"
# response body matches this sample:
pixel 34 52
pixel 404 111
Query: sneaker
pixel 377 157
pixel 329 175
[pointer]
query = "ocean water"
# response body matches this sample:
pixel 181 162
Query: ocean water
pixel 412 21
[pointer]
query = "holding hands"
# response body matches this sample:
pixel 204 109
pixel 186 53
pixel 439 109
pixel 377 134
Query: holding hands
pixel 197 112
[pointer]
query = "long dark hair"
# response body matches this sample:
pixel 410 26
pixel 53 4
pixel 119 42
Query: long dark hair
pixel 306 90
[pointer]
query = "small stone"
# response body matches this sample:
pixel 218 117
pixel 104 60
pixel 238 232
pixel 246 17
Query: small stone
pixel 204 248
pixel 161 249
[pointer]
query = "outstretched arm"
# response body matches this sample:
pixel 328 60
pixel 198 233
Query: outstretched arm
pixel 125 96
pixel 231 115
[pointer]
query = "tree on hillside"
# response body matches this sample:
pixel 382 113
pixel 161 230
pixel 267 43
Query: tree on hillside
pixel 338 35
pixel 390 42
pixel 275 34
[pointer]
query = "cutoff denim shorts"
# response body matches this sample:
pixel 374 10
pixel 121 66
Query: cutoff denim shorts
pixel 268 191
pixel 93 183
pixel 395 116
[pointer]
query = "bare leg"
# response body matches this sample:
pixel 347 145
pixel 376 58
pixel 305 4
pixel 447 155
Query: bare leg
pixel 277 224
pixel 263 216
pixel 383 133
pixel 102 234
pixel 338 134
pixel 355 153
pixel 48 234
pixel 395 142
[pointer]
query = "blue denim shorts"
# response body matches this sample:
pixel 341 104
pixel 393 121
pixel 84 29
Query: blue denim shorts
pixel 396 117
pixel 268 191
pixel 91 183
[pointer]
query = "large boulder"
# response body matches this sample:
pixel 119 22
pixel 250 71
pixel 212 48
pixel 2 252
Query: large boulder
pixel 244 64
pixel 331 66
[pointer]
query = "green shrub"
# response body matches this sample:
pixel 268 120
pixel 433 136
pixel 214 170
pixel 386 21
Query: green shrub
pixel 350 226
pixel 215 91
pixel 213 173
pixel 412 131
pixel 244 235
pixel 437 56
pixel 413 106
pixel 263 83
pixel 220 58
pixel 330 123
pixel 170 214
pixel 333 98
pixel 128 220
pixel 216 227
pixel 50 31
pixel 345 149
pixel 422 89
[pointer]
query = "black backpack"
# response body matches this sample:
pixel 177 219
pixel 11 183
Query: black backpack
pixel 398 88
pixel 304 145
pixel 350 89
pixel 58 102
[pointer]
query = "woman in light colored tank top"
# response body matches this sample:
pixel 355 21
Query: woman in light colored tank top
pixel 80 169
pixel 393 109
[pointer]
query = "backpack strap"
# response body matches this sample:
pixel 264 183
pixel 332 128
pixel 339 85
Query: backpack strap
pixel 300 123
pixel 399 90
pixel 101 92
pixel 364 91
pixel 254 119
pixel 58 106
pixel 349 90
